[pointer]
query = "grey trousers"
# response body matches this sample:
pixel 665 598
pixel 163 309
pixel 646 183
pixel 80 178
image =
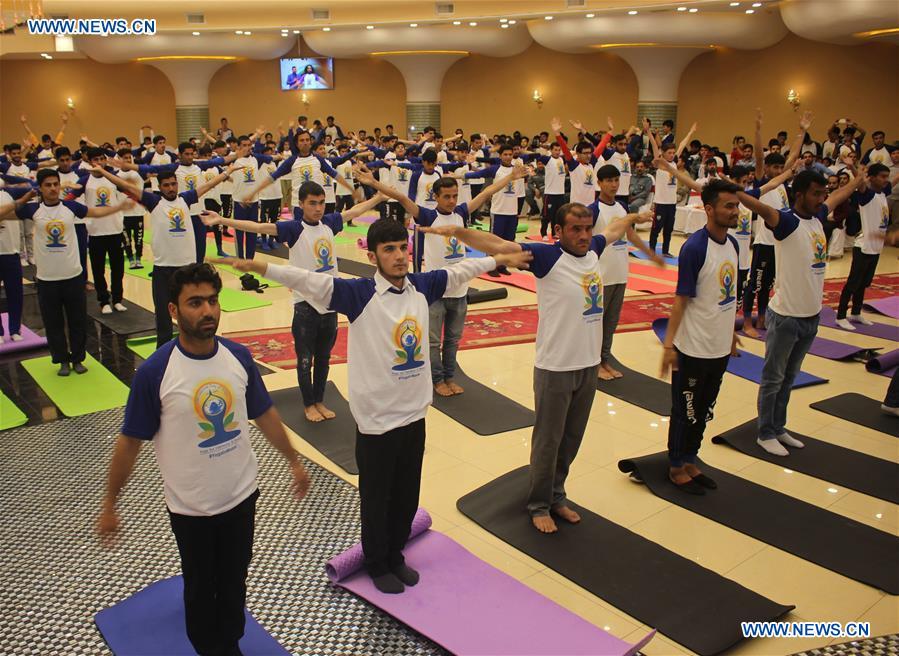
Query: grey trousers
pixel 562 400
pixel 612 300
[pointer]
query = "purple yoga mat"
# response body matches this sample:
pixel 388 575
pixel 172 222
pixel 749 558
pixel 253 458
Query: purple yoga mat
pixel 29 339
pixel 884 364
pixel 823 348
pixel 888 306
pixel 470 607
pixel 881 330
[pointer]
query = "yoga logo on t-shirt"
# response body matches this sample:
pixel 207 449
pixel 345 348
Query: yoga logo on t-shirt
pixel 56 234
pixel 884 218
pixel 176 220
pixel 726 284
pixel 454 248
pixel 588 178
pixel 305 173
pixel 213 404
pixel 402 175
pixel 592 286
pixel 407 337
pixel 819 250
pixel 103 197
pixel 322 250
pixel 429 191
pixel 248 175
pixel 744 224
pixel 191 182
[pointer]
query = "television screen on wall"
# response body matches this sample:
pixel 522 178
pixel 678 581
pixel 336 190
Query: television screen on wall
pixel 307 73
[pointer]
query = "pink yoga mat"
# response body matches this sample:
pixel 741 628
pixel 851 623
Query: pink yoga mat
pixel 29 339
pixel 521 280
pixel 653 271
pixel 470 607
pixel 886 306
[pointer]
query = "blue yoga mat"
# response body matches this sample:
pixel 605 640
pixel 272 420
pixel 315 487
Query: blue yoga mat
pixel 152 622
pixel 748 365
pixel 640 255
pixel 473 252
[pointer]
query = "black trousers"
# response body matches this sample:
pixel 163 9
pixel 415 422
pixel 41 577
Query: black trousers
pixel 396 212
pixel 213 205
pixel 664 223
pixel 389 484
pixel 861 275
pixel 227 205
pixel 161 277
pixel 83 238
pixel 742 275
pixel 345 203
pixel 694 391
pixel 63 304
pixel 314 335
pixel 330 207
pixel 134 237
pixel 475 190
pixel 551 205
pixel 761 278
pixel 215 555
pixel 99 248
pixel 269 210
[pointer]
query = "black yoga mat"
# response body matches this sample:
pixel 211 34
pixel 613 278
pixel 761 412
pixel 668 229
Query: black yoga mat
pixel 861 410
pixel 135 320
pixel 832 541
pixel 355 268
pixel 638 389
pixel 829 462
pixel 484 295
pixel 334 438
pixel 482 409
pixel 634 574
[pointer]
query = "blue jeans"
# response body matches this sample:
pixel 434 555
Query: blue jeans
pixel 314 335
pixel 787 342
pixel 446 318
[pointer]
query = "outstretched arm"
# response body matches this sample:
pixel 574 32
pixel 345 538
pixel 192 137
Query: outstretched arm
pixel 842 194
pixel 769 215
pixel 486 242
pixel 518 172
pixel 366 178
pixel 361 208
pixel 619 227
pixel 220 178
pixel 121 185
pixel 210 218
pixel 683 176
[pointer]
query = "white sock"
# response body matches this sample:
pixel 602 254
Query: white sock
pixel 16 337
pixel 773 447
pixel 1 339
pixel 857 318
pixel 789 440
pixel 106 309
pixel 845 325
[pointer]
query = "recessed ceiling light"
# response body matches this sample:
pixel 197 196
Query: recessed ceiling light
pixel 504 26
pixel 238 31
pixel 49 56
pixel 326 29
pixel 590 15
pixel 195 33
pixel 547 18
pixel 473 24
pixel 369 27
pixel 247 33
pixel 734 4
pixel 632 12
pixel 756 4
pixel 296 31
pixel 512 22
pixel 693 10
pixel 503 20
pixel 457 22
pixel 413 24
pixel 682 9
pixel 750 11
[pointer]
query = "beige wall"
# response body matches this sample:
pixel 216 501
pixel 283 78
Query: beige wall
pixel 367 93
pixel 110 99
pixel 493 94
pixel 721 89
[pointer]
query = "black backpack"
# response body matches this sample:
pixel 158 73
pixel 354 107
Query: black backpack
pixel 250 283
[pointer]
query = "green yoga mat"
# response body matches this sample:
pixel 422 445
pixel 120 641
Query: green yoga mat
pixel 485 227
pixel 362 231
pixel 143 346
pixel 212 252
pixel 75 395
pixel 232 300
pixel 10 415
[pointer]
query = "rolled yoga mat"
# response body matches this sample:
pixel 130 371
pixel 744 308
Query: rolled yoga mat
pixel 152 622
pixel 334 438
pixel 861 410
pixel 636 575
pixel 748 365
pixel 471 608
pixel 828 318
pixel 135 320
pixel 829 462
pixel 75 394
pixel 886 306
pixel 823 348
pixel 355 268
pixel 482 409
pixel 30 340
pixel 884 364
pixel 485 295
pixel 638 389
pixel 815 534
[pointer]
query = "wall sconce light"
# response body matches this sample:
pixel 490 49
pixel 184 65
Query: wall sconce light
pixel 305 100
pixel 70 104
pixel 793 99
pixel 537 98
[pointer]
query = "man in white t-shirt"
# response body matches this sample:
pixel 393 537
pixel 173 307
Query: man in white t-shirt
pixel 569 338
pixel 700 337
pixel 800 252
pixel 194 399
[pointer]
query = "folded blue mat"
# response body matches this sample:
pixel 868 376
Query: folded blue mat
pixel 151 622
pixel 748 365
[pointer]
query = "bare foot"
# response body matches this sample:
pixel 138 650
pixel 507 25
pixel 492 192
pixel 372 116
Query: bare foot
pixel 760 322
pixel 615 373
pixel 567 514
pixel 443 389
pixel 604 373
pixel 544 524
pixel 312 414
pixel 454 388
pixel 324 411
pixel 679 475
pixel 691 469
pixel 749 330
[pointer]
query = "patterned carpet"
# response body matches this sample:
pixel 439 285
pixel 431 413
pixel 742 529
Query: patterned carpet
pixel 883 646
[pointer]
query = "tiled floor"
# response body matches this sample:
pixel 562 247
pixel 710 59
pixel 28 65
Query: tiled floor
pixel 457 461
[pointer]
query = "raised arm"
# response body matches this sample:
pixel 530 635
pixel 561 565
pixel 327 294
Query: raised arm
pixel 758 150
pixel 656 149
pixel 683 176
pixel 62 128
pixel 364 176
pixel 804 124
pixel 769 215
pixel 842 194
pixel 518 172
pixel 221 177
pixel 361 208
pixel 685 141
pixel 122 185
pixel 556 126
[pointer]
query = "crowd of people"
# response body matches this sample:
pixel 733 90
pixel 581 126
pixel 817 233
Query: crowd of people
pixel 771 208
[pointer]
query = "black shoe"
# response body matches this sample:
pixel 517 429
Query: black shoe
pixel 505 272
pixel 405 574
pixel 493 274
pixel 79 367
pixel 388 583
pixel 690 487
pixel 63 369
pixel 705 481
pixel 667 255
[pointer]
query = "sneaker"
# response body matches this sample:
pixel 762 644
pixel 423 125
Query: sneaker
pixel 667 255
pixel 134 264
pixel 493 274
pixel 883 407
pixel 79 368
pixel 106 309
pixel 120 307
pixel 773 447
pixel 63 369
pixel 31 260
pixel 789 440
pixel 16 337
pixel 223 254
pixel 264 245
pixel 857 318
pixel 844 324
pixel 138 265
pixel 23 261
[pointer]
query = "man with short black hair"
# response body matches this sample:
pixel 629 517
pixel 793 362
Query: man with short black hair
pixel 880 152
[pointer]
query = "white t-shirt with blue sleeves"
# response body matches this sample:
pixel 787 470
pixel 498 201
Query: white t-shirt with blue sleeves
pixel 800 258
pixel 174 232
pixel 312 248
pixel 569 305
pixel 613 263
pixel 442 251
pixel 55 244
pixel 196 411
pixel 874 212
pixel 707 274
